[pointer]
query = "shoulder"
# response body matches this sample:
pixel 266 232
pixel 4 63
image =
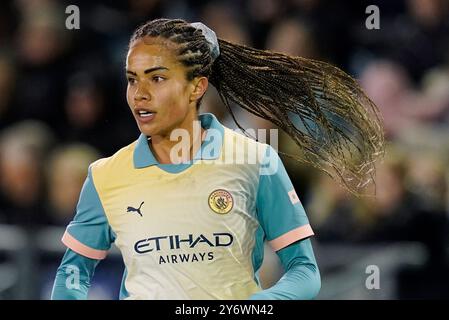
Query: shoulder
pixel 245 146
pixel 121 161
pixel 237 135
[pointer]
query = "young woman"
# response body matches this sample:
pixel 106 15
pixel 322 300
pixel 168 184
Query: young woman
pixel 190 220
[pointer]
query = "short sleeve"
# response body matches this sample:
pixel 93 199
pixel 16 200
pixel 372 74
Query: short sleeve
pixel 89 233
pixel 279 209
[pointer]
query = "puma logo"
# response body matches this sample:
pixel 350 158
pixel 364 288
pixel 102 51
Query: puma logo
pixel 131 209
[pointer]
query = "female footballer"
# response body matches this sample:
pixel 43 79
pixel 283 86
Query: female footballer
pixel 189 220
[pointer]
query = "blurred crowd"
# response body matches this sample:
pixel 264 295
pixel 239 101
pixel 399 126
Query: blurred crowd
pixel 63 105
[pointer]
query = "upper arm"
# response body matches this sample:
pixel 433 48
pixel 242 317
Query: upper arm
pixel 300 252
pixel 89 233
pixel 279 209
pixel 84 265
pixel 73 277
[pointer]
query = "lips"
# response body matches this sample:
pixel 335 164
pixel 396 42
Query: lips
pixel 144 115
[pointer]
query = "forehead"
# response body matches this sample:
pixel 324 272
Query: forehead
pixel 148 52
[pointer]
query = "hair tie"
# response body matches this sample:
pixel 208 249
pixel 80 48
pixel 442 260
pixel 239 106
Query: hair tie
pixel 211 38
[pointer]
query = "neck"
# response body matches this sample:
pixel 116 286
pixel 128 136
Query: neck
pixel 186 145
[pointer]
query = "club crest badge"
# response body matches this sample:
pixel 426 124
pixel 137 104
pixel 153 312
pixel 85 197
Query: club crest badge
pixel 221 201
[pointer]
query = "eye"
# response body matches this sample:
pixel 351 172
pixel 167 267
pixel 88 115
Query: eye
pixel 157 79
pixel 131 81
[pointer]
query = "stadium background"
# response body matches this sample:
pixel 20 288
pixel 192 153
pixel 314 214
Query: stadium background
pixel 62 105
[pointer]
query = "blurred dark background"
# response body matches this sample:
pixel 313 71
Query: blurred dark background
pixel 63 105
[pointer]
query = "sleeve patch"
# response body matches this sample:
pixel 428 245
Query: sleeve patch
pixel 293 196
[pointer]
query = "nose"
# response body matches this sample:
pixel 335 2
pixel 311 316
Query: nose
pixel 142 93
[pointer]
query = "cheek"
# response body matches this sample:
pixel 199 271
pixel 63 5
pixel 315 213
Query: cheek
pixel 129 96
pixel 175 101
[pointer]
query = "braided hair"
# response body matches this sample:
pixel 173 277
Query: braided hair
pixel 323 109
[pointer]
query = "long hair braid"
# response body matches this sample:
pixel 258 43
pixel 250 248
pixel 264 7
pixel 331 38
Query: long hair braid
pixel 324 110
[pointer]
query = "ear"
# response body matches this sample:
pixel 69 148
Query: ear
pixel 200 85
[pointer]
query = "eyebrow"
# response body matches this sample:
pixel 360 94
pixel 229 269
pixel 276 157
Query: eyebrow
pixel 148 70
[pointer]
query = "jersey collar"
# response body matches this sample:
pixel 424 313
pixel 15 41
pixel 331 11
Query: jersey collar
pixel 210 148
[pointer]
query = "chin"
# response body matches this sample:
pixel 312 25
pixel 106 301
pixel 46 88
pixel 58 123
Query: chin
pixel 148 131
